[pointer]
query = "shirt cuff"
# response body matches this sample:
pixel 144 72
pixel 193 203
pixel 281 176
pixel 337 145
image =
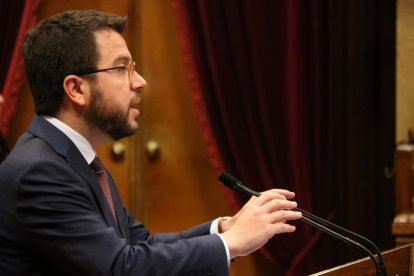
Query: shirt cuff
pixel 214 230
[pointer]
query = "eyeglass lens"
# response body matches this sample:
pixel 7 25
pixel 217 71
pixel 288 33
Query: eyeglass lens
pixel 131 70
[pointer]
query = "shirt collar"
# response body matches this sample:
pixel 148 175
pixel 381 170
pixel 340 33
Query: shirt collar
pixel 80 142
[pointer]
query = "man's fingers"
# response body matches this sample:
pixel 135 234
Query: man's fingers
pixel 286 193
pixel 284 228
pixel 266 197
pixel 278 204
pixel 282 216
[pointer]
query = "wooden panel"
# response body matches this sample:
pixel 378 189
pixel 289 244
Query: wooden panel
pixel 404 179
pixel 405 69
pixel 179 189
pixel 403 226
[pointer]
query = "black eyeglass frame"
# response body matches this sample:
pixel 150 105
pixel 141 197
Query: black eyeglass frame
pixel 130 67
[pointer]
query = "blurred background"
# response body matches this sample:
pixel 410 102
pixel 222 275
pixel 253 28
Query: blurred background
pixel 313 96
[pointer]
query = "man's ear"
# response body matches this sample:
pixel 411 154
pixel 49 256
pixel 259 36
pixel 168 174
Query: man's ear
pixel 75 88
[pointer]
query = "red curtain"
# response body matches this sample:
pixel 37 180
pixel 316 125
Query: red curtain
pixel 270 85
pixel 16 18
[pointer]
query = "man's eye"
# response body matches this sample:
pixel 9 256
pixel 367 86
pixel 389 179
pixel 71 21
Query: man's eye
pixel 122 68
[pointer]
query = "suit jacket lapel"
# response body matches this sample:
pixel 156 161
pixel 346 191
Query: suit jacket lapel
pixel 66 148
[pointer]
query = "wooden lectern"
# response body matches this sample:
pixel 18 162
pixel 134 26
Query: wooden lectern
pixel 398 261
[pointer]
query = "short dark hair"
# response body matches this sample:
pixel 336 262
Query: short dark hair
pixel 61 45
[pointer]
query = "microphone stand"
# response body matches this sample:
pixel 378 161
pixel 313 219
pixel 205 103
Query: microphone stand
pixel 321 224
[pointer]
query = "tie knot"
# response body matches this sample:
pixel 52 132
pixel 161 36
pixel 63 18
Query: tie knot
pixel 96 164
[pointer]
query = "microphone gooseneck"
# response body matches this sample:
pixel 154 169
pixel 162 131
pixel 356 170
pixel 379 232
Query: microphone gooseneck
pixel 326 226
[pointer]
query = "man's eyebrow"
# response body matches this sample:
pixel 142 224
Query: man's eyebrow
pixel 123 58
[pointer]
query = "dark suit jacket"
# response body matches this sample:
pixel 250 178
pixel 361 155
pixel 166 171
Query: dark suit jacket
pixel 54 220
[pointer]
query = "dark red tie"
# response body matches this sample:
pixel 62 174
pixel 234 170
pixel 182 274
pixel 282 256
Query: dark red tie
pixel 102 177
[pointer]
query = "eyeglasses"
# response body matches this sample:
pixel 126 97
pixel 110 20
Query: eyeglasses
pixel 130 67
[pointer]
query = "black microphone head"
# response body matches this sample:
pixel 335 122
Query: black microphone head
pixel 233 183
pixel 229 180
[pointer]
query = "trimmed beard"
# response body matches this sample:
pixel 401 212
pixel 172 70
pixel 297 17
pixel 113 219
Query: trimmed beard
pixel 108 117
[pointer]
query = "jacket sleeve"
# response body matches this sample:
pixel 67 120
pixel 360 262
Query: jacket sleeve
pixel 138 232
pixel 59 223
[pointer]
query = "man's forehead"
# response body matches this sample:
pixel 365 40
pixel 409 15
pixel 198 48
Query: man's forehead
pixel 111 46
pixel 105 36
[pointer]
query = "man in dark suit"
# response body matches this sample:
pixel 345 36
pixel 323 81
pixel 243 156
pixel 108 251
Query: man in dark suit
pixel 60 210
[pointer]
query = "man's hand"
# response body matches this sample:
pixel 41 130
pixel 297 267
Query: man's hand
pixel 259 220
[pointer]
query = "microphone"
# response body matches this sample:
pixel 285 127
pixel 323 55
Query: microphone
pixel 326 226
